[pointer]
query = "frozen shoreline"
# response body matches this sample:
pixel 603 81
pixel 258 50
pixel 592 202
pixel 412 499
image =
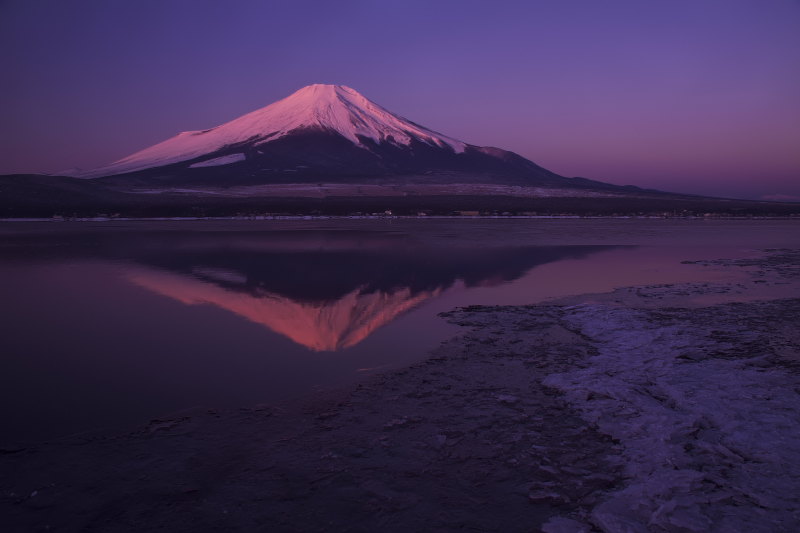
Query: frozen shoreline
pixel 636 410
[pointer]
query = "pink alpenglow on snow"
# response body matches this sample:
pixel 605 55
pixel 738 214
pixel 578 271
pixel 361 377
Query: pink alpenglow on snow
pixel 329 107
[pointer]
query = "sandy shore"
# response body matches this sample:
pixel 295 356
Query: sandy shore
pixel 658 408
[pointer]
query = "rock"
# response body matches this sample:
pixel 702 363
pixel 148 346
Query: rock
pixel 397 422
pixel 507 399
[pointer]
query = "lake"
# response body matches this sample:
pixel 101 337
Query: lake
pixel 106 325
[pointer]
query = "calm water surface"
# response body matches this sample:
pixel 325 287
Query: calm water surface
pixel 107 325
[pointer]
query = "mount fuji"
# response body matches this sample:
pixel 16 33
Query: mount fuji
pixel 327 149
pixel 328 132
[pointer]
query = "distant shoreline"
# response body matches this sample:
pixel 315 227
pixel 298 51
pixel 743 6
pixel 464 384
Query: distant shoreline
pixel 402 217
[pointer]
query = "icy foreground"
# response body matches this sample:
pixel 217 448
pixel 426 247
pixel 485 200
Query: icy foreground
pixel 703 403
pixel 646 409
pixel 706 414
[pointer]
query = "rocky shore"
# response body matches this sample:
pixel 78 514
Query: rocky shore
pixel 659 408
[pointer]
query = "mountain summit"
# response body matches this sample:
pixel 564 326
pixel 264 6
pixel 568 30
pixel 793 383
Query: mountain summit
pixel 329 132
pixel 342 110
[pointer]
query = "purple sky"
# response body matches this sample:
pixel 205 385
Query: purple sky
pixel 698 96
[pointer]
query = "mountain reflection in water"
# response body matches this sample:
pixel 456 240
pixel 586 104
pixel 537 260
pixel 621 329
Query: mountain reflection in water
pixel 109 324
pixel 324 325
pixel 326 290
pixel 328 293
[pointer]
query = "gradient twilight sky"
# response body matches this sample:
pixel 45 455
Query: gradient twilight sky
pixel 699 96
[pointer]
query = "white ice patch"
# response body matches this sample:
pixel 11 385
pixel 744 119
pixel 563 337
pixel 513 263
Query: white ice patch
pixel 705 443
pixel 219 161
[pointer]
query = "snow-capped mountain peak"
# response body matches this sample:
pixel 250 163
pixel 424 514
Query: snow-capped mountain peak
pixel 344 110
pixel 334 108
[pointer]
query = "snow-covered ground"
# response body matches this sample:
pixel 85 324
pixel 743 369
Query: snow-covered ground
pixel 704 410
pixel 701 400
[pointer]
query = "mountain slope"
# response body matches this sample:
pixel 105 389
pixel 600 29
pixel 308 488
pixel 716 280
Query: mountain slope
pixel 319 132
pixel 329 108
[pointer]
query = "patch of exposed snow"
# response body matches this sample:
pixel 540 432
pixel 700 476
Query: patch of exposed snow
pixel 219 161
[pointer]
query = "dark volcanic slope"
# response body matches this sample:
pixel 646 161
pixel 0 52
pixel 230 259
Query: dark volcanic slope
pixel 316 155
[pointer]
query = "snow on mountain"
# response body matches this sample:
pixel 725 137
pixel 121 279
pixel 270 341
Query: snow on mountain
pixel 328 107
pixel 219 161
